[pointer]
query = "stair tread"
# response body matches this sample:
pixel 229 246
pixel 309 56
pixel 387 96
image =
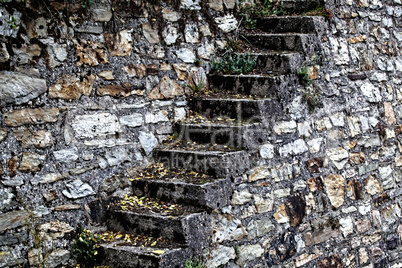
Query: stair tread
pixel 158 172
pixel 150 206
pixel 199 121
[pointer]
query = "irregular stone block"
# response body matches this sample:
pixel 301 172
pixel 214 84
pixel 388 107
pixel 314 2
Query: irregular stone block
pixel 261 227
pixel 373 187
pixel 335 189
pixel 170 15
pixel 19 88
pixel 119 91
pixel 313 165
pixel 13 219
pixel 191 33
pixel 6 196
pixel 106 75
pixel 78 189
pixel 285 127
pixel 305 258
pixel 186 55
pixel 249 253
pixel 227 228
pixel 220 256
pixel 357 158
pixel 132 120
pixel 31 116
pixel 226 23
pixel 101 11
pixel 148 141
pixel 135 70
pixel 72 87
pixel 48 178
pixel 150 33
pixel 56 54
pixel 355 190
pixel 29 139
pixel 119 44
pixel 166 89
pixel 66 155
pixel 90 53
pixel 339 157
pixel 96 125
pixel 37 28
pixel 354 125
pixel 31 162
pixel 371 92
pixel 315 184
pixel 346 226
pixel 333 261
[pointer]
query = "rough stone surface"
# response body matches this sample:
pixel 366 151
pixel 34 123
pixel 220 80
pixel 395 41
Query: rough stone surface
pixel 19 88
pixel 66 155
pixel 148 141
pixel 31 162
pixel 339 157
pixel 31 116
pixel 249 253
pixel 96 125
pixel 220 256
pixel 119 44
pixel 335 189
pixel 166 89
pixel 29 139
pixel 372 185
pixel 12 219
pixel 72 87
pixel 78 189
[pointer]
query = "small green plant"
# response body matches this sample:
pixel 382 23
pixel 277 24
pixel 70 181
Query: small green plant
pixel 319 11
pixel 86 3
pixel 250 24
pixel 234 64
pixel 313 98
pixel 265 8
pixel 303 74
pixel 86 247
pixel 197 87
pixel 194 263
pixel 12 22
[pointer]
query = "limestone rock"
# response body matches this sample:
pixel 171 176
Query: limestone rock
pixel 373 187
pixel 31 116
pixel 227 228
pixel 315 184
pixel 19 88
pixel 335 189
pixel 354 125
pixel 346 226
pixel 315 145
pixel 205 50
pixel 293 148
pixel 57 257
pixel 216 4
pixel 6 197
pixel 90 53
pixel 72 87
pixel 226 23
pixel 305 258
pixel 56 54
pixel 357 158
pixel 54 230
pixel 339 157
pixel 260 227
pixel 170 15
pixel 186 55
pixel 67 207
pixel 264 205
pixel 267 151
pixel 363 225
pixel 119 91
pixel 220 256
pixel 313 165
pixel 96 125
pixel 26 53
pixel 389 114
pixel 241 197
pixel 106 75
pixel 179 113
pixel 29 139
pixel 4 55
pixel 248 253
pixel 78 189
pixel 48 178
pixel 132 120
pixel 323 124
pixel 37 28
pixel 166 89
pixel 293 210
pixel 181 70
pixel 13 219
pixel 148 141
pixel 170 34
pixel 31 162
pixel 119 44
pixel 190 4
pixel 285 127
pixel 150 33
pixel 324 228
pixel 371 93
pixel 135 70
pixel 66 155
pixel 152 118
pixel 191 33
pixel 101 11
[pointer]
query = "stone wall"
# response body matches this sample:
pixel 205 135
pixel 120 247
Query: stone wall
pixel 327 189
pixel 83 98
pixel 86 93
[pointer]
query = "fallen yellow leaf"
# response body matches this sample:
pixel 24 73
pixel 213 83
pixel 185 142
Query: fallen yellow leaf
pixel 158 251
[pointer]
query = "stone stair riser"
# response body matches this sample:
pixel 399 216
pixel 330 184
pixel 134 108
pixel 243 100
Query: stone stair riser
pixel 292 24
pixel 279 63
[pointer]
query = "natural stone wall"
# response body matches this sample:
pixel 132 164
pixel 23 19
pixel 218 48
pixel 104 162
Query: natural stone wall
pixel 86 93
pixel 327 189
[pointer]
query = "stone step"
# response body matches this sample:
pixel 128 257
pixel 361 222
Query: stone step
pixel 305 43
pixel 241 109
pixel 268 86
pixel 223 132
pixel 299 6
pixel 278 62
pixel 292 24
pixel 126 256
pixel 208 193
pixel 180 224
pixel 214 162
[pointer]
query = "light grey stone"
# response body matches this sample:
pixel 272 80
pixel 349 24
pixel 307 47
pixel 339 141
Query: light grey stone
pixel 260 227
pixel 170 15
pixel 66 155
pixel 264 205
pixel 179 113
pixel 13 182
pixel 279 193
pixel 364 169
pixel 338 119
pixel 19 88
pixel 190 4
pixel 226 23
pixel 170 34
pixel 78 189
pixel 369 141
pixel 6 29
pixel 10 258
pixel 293 148
pixel 315 145
pixel 186 55
pixel 248 253
pixel 220 256
pixel 340 50
pixel 323 124
pixel 132 120
pixel 191 34
pixel 6 196
pixel 371 92
pixel 205 50
pixel 386 177
pixel 13 219
pixel 41 211
pixel 101 11
pixel 48 178
pixel 304 129
pixel 148 141
pixel 117 156
pixel 267 151
pixel 152 118
pixel 285 127
pixel 346 226
pixel 354 125
pixel 4 55
pixel 299 185
pixel 339 156
pixel 96 125
pixel 227 228
pixel 57 258
pixel 242 197
pixel 57 54
pixel 150 33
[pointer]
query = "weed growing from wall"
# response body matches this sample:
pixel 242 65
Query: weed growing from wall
pixel 86 247
pixel 234 64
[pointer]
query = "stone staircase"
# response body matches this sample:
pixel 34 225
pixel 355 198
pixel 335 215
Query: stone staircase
pixel 216 146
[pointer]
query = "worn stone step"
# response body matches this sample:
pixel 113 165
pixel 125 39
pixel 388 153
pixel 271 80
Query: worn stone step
pixel 206 193
pixel 269 86
pixel 241 109
pixel 299 6
pixel 126 256
pixel 188 226
pixel 278 62
pixel 292 24
pixel 219 163
pixel 223 132
pixel 306 43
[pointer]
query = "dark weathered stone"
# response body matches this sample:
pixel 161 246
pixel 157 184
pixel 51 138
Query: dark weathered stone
pixel 382 199
pixel 355 190
pixel 214 195
pixel 281 249
pixel 278 62
pixel 392 243
pixel 323 229
pixel 333 261
pixel 291 24
pixel 315 184
pixel 13 165
pixel 313 165
pixel 119 91
pixel 360 76
pixel 295 209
